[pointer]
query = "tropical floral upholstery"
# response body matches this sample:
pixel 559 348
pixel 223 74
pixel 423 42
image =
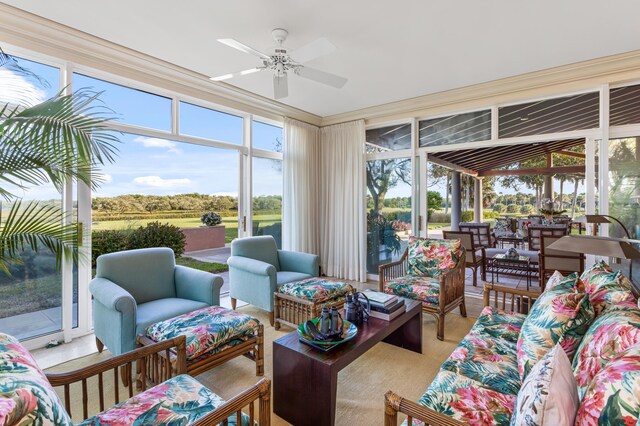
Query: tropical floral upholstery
pixel 316 289
pixel 205 329
pixel 561 315
pixel 416 287
pixel 488 354
pixel 613 396
pixel 502 227
pixel 613 332
pixel 180 400
pixel 607 288
pixel 26 397
pixel 432 257
pixel 467 400
pixel 548 395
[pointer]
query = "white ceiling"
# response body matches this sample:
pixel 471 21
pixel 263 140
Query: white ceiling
pixel 389 51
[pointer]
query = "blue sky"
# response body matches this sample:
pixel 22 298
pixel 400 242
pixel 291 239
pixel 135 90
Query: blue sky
pixel 156 166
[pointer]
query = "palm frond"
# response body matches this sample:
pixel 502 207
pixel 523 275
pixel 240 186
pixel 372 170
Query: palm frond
pixel 36 224
pixel 61 138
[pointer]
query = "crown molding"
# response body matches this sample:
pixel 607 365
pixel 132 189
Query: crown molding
pixel 28 31
pixel 563 79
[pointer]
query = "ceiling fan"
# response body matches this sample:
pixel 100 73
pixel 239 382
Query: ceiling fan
pixel 281 62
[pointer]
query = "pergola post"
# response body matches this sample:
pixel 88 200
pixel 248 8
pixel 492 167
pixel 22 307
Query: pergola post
pixel 456 201
pixel 477 199
pixel 548 187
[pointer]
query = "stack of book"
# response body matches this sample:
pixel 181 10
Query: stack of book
pixel 384 306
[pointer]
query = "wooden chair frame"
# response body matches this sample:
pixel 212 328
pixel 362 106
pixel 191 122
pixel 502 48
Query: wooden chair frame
pixel 546 273
pixel 545 230
pixel 149 355
pixel 479 229
pixel 475 262
pixel 451 288
pixel 503 298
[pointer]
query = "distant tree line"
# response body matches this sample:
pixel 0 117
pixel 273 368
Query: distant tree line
pixel 136 203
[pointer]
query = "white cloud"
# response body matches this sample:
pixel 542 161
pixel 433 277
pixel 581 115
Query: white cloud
pixel 158 143
pixel 15 89
pixel 158 182
pixel 104 178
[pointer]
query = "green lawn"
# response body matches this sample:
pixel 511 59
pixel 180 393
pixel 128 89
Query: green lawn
pixel 230 223
pixel 203 266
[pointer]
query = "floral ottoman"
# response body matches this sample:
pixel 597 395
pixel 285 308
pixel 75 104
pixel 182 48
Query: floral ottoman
pixel 214 335
pixel 300 301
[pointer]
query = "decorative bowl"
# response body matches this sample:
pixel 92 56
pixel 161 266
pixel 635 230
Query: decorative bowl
pixel 349 331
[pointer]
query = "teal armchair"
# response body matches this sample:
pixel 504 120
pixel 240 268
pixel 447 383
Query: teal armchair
pixel 257 268
pixel 136 288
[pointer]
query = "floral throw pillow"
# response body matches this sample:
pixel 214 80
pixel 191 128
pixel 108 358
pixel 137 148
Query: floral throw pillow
pixel 607 288
pixel 432 257
pixel 613 332
pixel 560 315
pixel 502 226
pixel 548 395
pixel 612 397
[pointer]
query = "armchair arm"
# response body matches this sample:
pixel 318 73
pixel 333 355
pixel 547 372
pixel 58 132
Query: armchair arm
pixel 296 261
pixel 452 282
pixel 201 286
pixel 394 404
pixel 393 270
pixel 252 266
pixel 112 296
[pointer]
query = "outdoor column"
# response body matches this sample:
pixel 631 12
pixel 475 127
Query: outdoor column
pixel 477 199
pixel 548 187
pixel 456 201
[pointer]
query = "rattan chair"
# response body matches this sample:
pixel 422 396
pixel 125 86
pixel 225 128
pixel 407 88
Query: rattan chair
pixel 473 256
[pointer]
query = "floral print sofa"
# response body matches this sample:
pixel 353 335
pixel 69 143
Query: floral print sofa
pixel 27 396
pixel 594 318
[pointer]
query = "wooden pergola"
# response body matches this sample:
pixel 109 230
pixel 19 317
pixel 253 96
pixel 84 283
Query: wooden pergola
pixel 501 161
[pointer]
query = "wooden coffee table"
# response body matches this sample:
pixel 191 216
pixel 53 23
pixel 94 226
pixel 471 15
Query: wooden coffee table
pixel 305 379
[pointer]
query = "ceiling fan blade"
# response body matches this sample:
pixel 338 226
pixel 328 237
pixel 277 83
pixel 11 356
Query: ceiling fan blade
pixel 243 47
pixel 237 74
pixel 280 87
pixel 322 77
pixel 313 50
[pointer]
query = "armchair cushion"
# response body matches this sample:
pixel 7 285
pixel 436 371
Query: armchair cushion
pixel 284 277
pixel 416 287
pixel 159 310
pixel 179 400
pixel 432 257
pixel 316 289
pixel 206 329
pixel 263 248
pixel 129 268
pixel 26 397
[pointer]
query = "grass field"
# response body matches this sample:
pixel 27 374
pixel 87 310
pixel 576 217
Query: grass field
pixel 230 223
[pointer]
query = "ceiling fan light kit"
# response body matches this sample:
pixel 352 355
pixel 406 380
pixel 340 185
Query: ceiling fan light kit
pixel 281 62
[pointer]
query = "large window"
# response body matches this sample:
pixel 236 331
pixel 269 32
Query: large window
pixel 454 129
pixel 170 182
pixel 210 124
pixel 266 136
pixel 392 138
pixel 267 198
pixel 130 106
pixel 624 105
pixel 31 297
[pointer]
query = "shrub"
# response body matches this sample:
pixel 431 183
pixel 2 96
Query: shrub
pixel 398 225
pixel 107 242
pixel 499 208
pixel 438 217
pixel 211 219
pixel 513 208
pixel 467 216
pixel 157 234
pixel 527 209
pixel 486 214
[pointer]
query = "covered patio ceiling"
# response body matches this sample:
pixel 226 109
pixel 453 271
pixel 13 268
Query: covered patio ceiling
pixel 495 160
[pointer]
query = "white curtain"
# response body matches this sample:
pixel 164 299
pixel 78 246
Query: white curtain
pixel 300 170
pixel 343 249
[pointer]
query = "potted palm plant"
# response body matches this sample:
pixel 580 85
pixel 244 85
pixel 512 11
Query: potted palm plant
pixel 61 139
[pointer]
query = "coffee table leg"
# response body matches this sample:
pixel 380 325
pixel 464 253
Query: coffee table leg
pixel 409 336
pixel 304 390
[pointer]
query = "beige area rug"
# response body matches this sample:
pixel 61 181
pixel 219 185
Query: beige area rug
pixel 361 385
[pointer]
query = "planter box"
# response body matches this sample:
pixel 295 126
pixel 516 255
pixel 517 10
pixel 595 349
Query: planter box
pixel 203 237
